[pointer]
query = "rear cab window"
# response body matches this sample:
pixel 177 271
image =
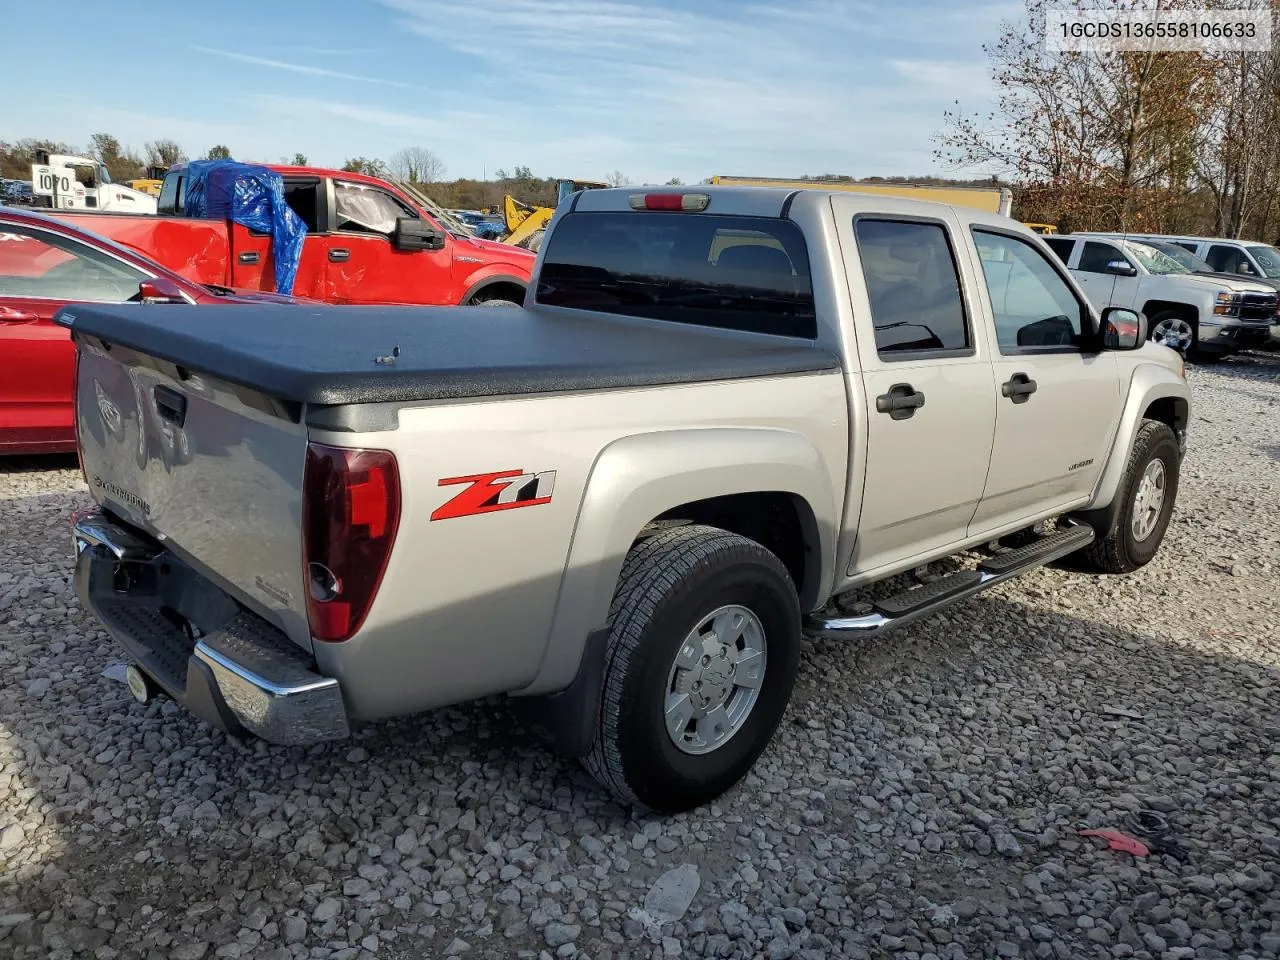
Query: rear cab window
pixel 732 272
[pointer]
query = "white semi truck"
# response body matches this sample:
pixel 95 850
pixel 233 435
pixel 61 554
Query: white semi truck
pixel 82 183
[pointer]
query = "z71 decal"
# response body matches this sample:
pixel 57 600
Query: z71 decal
pixel 502 490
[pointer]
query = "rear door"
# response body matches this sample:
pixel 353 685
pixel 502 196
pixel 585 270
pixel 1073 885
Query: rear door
pixel 252 262
pixel 363 265
pixel 928 382
pixel 41 271
pixel 1058 398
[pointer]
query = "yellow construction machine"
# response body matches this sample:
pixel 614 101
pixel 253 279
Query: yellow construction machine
pixel 151 183
pixel 526 224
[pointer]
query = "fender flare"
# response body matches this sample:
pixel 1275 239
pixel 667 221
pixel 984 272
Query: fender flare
pixel 491 280
pixel 1150 383
pixel 639 477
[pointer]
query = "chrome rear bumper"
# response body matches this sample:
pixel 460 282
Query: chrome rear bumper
pixel 218 660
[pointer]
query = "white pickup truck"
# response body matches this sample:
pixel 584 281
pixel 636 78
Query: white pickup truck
pixel 1204 314
pixel 720 413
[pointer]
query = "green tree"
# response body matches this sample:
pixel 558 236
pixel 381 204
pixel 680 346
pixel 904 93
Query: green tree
pixel 299 160
pixel 164 153
pixel 218 152
pixel 373 168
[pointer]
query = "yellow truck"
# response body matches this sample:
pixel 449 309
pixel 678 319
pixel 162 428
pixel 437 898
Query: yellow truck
pixel 991 199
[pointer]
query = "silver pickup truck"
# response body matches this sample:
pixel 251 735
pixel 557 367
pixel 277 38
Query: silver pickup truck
pixel 719 415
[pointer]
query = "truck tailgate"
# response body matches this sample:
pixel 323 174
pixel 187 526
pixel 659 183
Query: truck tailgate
pixel 212 469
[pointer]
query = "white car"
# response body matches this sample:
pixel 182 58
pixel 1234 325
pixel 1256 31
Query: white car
pixel 1201 314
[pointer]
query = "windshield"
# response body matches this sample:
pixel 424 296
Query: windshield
pixel 1268 258
pixel 1182 255
pixel 1153 261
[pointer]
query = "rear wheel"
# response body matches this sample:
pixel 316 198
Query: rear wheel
pixel 1148 491
pixel 495 302
pixel 702 655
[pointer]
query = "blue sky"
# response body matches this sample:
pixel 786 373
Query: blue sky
pixel 566 87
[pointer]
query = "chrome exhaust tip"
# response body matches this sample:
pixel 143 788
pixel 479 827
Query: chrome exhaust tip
pixel 141 686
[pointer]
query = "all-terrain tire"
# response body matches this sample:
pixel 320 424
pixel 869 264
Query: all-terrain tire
pixel 1120 551
pixel 670 582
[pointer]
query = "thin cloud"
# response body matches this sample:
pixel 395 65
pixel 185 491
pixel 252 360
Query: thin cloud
pixel 297 67
pixel 355 112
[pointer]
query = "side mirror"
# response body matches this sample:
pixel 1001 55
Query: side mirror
pixel 1123 329
pixel 1122 268
pixel 411 233
pixel 160 290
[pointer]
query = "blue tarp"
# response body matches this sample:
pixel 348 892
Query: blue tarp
pixel 252 196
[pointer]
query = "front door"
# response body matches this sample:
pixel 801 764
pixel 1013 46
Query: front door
pixel 927 382
pixel 1103 288
pixel 41 271
pixel 1057 397
pixel 363 265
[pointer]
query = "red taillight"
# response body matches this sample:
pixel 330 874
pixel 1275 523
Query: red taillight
pixel 350 511
pixel 669 201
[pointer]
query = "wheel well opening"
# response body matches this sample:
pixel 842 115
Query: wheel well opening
pixel 502 290
pixel 1153 307
pixel 1170 410
pixel 781 522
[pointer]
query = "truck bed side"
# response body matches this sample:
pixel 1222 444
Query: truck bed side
pixel 198 250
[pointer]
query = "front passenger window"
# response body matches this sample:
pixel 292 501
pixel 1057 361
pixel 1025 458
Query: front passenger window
pixel 1095 257
pixel 1034 308
pixel 362 209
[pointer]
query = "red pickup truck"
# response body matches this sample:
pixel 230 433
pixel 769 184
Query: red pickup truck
pixel 357 248
pixel 46 264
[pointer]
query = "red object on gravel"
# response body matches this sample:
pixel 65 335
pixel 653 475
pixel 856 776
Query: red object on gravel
pixel 1119 841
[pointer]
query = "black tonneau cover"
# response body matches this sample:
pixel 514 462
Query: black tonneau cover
pixel 327 354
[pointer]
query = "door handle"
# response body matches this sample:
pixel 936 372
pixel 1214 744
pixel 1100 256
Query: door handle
pixel 1018 388
pixel 900 402
pixel 14 315
pixel 250 257
pixel 339 255
pixel 170 404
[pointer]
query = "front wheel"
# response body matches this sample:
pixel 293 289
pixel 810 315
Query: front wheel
pixel 1171 328
pixel 1148 490
pixel 703 649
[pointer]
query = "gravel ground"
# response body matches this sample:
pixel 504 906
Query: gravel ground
pixel 923 799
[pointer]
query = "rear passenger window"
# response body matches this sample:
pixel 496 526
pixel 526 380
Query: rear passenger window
pixel 1061 247
pixel 913 286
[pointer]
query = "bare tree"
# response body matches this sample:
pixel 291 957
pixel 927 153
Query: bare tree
pixel 121 163
pixel 1092 137
pixel 617 178
pixel 416 165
